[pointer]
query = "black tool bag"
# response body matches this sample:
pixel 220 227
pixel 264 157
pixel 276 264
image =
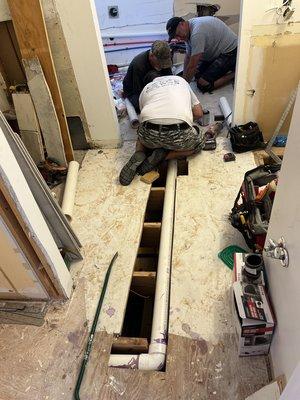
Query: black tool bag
pixel 249 215
pixel 246 137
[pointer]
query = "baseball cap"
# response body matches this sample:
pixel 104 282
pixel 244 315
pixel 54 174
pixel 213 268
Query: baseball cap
pixel 162 52
pixel 172 26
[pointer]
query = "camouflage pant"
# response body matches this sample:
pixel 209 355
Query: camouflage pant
pixel 176 139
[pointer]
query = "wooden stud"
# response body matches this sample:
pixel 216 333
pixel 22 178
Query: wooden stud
pixel 143 282
pixel 30 29
pixel 150 177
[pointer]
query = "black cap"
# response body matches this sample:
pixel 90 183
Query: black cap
pixel 172 26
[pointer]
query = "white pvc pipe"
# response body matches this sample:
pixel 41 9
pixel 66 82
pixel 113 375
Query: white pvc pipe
pixel 132 35
pixel 155 359
pixel 133 118
pixel 70 190
pixel 226 110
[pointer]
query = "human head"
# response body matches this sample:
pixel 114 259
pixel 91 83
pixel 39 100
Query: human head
pixel 178 28
pixel 160 55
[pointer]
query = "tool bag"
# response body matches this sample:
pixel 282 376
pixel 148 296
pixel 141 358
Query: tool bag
pixel 252 208
pixel 246 137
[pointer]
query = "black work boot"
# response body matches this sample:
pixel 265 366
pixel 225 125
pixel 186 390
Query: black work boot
pixel 130 168
pixel 157 156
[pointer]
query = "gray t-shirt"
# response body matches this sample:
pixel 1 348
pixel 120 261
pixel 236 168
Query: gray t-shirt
pixel 210 36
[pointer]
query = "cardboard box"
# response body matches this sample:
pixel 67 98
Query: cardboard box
pixel 239 263
pixel 254 320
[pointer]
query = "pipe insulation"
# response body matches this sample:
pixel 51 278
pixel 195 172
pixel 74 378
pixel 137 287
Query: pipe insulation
pixel 70 190
pixel 226 110
pixel 133 118
pixel 155 359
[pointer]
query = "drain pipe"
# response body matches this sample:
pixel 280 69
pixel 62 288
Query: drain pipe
pixel 155 359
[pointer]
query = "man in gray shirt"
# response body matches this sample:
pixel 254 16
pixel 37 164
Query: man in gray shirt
pixel 211 50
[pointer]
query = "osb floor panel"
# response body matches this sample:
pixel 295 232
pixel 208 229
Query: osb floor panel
pixel 108 218
pixel 200 287
pixel 202 362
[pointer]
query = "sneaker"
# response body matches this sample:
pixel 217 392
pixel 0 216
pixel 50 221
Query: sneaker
pixel 129 170
pixel 157 156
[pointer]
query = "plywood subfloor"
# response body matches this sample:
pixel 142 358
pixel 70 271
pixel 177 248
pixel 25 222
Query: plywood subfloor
pixel 108 218
pixel 202 363
pixel 200 287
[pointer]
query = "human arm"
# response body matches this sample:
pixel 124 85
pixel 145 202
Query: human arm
pixel 197 112
pixel 191 67
pixel 196 106
pixel 186 62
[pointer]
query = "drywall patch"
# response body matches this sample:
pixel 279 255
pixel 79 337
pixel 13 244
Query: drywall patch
pixel 274 72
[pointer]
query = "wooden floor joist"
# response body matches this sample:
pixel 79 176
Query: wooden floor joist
pixel 151 234
pixel 33 42
pixel 123 345
pixel 144 282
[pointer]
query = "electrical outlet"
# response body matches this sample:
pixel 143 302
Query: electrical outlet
pixel 113 11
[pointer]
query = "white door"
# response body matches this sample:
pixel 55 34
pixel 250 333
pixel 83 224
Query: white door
pixel 285 282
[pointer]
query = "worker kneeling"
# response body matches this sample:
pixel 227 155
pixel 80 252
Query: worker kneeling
pixel 168 106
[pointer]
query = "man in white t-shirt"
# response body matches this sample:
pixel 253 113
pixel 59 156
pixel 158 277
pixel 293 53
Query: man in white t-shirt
pixel 168 107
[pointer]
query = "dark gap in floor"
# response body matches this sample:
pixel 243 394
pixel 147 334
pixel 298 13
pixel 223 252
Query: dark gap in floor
pixel 155 205
pixel 161 181
pixel 182 167
pixel 137 323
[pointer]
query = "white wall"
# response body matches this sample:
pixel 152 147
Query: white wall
pixel 284 282
pixel 145 21
pixel 82 34
pixel 134 13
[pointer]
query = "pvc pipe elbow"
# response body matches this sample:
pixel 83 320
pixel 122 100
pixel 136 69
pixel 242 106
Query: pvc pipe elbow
pixel 152 361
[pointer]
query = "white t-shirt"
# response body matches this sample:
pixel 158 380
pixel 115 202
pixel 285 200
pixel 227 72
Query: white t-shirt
pixel 167 100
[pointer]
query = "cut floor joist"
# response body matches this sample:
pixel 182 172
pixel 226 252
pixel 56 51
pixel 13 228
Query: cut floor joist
pixel 122 345
pixel 151 234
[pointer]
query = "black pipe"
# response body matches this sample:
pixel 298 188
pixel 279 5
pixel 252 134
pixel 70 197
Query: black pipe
pixel 92 332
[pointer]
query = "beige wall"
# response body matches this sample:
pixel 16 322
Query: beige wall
pixel 268 64
pixel 17 279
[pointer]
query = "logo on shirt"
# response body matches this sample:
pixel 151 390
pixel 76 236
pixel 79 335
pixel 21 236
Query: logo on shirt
pixel 161 83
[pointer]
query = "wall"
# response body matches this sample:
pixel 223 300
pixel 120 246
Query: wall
pixel 82 96
pixel 140 23
pixel 63 66
pixel 229 11
pixel 269 64
pixel 82 34
pixel 17 279
pixel 134 14
pixel 284 282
